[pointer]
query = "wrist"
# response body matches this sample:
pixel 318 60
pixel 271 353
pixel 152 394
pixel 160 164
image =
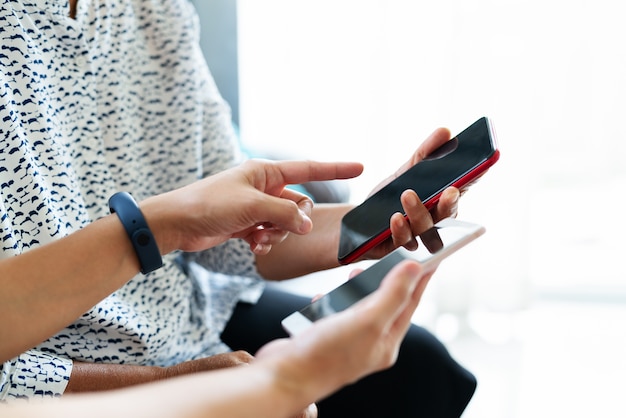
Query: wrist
pixel 289 386
pixel 138 231
pixel 299 378
pixel 165 226
pixel 327 221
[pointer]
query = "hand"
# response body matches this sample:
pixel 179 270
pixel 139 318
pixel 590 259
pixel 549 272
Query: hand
pixel 358 341
pixel 309 412
pixel 418 218
pixel 287 374
pixel 249 201
pixel 218 361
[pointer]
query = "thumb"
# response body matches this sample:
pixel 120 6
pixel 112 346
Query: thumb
pixel 285 213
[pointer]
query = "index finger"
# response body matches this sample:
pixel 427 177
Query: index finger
pixel 417 214
pixel 296 172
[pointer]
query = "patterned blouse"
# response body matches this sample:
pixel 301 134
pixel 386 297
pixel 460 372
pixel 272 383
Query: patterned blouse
pixel 119 98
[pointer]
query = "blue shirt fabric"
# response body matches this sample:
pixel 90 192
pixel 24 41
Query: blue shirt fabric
pixel 119 98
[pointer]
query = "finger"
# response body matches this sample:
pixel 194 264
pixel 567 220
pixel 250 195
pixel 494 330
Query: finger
pixel 303 201
pixel 448 205
pixel 282 214
pixel 472 182
pixel 431 240
pixel 401 234
pixel 394 293
pixel 436 139
pixel 354 273
pixel 269 236
pixel 309 412
pixel 418 216
pixel 297 172
pixel 260 249
pixel 351 275
pixel 430 144
pixel 403 321
pixel 317 297
pixel 400 325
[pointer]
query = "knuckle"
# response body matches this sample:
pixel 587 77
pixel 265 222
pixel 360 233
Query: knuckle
pixel 242 356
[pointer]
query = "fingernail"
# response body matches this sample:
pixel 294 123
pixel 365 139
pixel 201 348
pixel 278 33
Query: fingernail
pixel 306 225
pixel 261 249
pixel 412 198
pixel 306 206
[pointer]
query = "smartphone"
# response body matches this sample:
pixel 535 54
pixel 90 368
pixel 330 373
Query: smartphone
pixel 435 244
pixel 456 163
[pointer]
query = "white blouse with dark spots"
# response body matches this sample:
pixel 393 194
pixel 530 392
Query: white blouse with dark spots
pixel 118 99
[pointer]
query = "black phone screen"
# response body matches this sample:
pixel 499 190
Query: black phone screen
pixel 447 165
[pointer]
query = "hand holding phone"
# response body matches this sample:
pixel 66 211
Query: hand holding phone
pixel 434 244
pixel 457 163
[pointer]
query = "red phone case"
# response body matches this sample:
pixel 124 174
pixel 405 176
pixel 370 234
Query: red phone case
pixel 464 181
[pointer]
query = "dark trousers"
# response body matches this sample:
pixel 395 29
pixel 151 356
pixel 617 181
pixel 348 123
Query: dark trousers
pixel 425 382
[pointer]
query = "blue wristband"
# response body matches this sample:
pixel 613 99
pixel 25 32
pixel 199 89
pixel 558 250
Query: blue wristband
pixel 138 231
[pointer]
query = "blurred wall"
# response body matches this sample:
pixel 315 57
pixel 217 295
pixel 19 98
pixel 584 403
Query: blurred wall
pixel 218 39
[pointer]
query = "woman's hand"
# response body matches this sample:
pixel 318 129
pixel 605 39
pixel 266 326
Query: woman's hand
pixel 346 346
pixel 418 218
pixel 250 201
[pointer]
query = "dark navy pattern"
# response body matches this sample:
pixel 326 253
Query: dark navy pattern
pixel 118 99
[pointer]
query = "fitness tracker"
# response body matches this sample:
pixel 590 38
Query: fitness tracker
pixel 127 210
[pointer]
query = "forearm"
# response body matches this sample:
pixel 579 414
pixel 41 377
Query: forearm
pixel 66 277
pixel 303 254
pixel 240 392
pixel 92 377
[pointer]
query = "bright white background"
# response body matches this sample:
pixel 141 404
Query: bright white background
pixel 536 307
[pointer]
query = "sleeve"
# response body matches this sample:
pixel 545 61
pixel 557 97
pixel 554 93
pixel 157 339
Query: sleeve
pixel 233 257
pixel 34 374
pixel 221 147
pixel 221 150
